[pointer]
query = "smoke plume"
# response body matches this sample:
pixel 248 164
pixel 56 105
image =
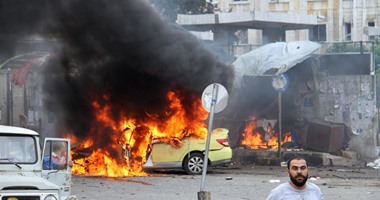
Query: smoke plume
pixel 118 52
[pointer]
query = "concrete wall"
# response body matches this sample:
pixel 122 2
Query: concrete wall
pixel 346 94
pixel 348 99
pixel 351 100
pixel 297 35
pixel 255 36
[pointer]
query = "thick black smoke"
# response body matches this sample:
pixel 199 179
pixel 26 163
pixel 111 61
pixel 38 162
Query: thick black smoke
pixel 118 52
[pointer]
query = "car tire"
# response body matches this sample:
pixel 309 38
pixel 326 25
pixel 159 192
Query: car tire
pixel 194 163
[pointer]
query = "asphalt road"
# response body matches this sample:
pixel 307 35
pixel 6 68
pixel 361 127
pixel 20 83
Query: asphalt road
pixel 246 182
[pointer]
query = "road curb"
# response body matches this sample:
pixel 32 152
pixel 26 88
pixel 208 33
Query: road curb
pixel 270 158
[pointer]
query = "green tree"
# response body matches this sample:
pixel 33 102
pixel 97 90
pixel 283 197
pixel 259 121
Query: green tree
pixel 170 8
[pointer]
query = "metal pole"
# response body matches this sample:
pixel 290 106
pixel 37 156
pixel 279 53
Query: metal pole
pixel 373 65
pixel 9 99
pixel 279 124
pixel 378 126
pixel 211 119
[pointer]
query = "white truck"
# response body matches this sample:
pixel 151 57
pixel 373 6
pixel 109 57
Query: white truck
pixel 22 175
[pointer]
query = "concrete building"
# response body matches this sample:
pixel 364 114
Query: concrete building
pixel 257 22
pixel 341 91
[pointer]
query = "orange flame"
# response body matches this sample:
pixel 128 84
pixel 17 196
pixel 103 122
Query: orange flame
pixel 130 142
pixel 265 138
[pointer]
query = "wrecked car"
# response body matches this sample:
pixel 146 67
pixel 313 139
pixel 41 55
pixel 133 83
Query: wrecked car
pixel 21 172
pixel 190 155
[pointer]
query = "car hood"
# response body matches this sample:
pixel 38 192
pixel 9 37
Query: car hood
pixel 18 181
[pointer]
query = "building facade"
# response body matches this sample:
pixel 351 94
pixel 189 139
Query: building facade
pixel 257 22
pixel 338 95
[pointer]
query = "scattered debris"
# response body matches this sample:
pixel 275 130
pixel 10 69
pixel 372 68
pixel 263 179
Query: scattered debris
pixel 375 164
pixel 274 181
pixel 341 177
pixel 349 170
pixel 349 154
pixel 314 178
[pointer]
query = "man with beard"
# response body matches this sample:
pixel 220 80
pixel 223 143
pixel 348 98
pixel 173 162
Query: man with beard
pixel 297 188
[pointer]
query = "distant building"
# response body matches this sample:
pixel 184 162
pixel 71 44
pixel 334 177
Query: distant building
pixel 258 22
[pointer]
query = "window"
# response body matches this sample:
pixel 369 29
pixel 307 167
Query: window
pixel 371 24
pixel 319 33
pixel 55 155
pixel 17 149
pixel 347 31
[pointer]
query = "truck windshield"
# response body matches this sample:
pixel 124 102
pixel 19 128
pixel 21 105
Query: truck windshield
pixel 17 149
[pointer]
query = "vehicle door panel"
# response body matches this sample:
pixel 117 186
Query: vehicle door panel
pixel 59 176
pixel 165 152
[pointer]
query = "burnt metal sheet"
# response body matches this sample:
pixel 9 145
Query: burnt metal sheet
pixel 325 136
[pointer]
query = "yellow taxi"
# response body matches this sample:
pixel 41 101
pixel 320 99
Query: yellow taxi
pixel 190 155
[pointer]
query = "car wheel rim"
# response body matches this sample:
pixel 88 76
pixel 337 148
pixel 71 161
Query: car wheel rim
pixel 196 164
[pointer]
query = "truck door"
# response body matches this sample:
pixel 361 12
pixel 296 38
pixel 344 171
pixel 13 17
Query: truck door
pixel 55 163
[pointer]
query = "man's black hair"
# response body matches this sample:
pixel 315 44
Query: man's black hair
pixel 297 157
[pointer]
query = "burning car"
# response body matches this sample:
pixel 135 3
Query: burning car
pixel 22 175
pixel 189 153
